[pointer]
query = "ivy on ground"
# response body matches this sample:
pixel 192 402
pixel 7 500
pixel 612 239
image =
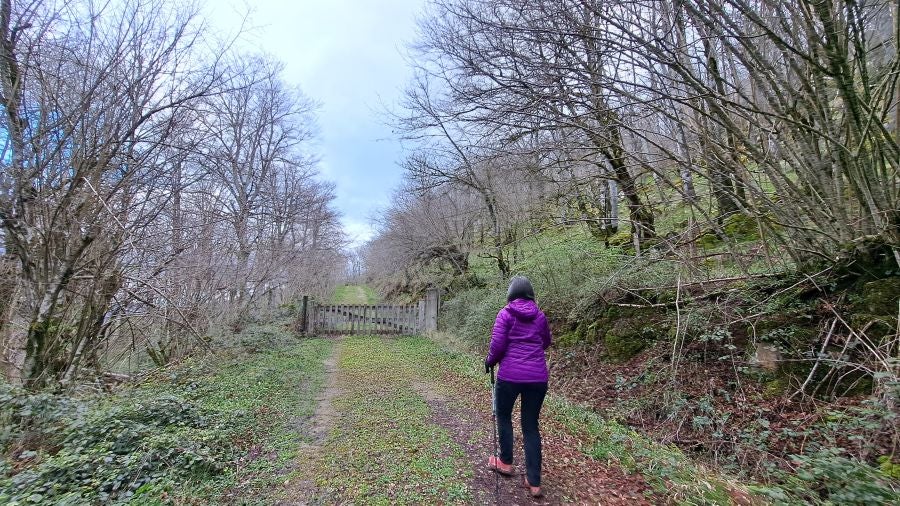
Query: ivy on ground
pixel 196 431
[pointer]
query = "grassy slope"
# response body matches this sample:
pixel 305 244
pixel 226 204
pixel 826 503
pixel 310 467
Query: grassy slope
pixel 570 269
pixel 203 431
pixel 354 294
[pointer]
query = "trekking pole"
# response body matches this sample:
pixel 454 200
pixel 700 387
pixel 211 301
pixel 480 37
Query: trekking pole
pixel 494 423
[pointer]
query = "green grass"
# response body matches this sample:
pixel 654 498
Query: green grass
pixel 278 389
pixel 202 430
pixel 354 294
pixel 384 450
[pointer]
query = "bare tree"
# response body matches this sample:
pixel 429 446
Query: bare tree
pixel 796 121
pixel 88 104
pixel 783 128
pixel 423 230
pixel 249 148
pixel 514 68
pixel 112 225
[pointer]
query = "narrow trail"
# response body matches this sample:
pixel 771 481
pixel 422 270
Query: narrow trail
pixel 396 424
pixel 354 294
pixel 301 489
pixel 468 429
pixel 325 414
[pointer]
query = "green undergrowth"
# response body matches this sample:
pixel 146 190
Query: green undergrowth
pixel 667 470
pixel 205 431
pixel 559 263
pixel 383 448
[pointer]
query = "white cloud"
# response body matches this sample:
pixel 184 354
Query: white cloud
pixel 345 54
pixel 357 231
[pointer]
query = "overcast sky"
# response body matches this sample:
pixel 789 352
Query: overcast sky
pixel 348 56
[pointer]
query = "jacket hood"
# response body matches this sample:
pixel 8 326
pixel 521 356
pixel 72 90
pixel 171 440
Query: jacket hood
pixel 524 309
pixel 519 288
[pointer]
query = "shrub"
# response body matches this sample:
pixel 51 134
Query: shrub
pixel 35 416
pixel 829 477
pixel 177 434
pixel 113 453
pixel 471 315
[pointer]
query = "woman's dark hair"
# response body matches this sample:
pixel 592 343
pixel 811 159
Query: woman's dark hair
pixel 519 288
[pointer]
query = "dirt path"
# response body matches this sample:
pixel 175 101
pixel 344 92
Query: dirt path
pixel 396 425
pixel 473 433
pixel 325 412
pixel 568 475
pixel 300 489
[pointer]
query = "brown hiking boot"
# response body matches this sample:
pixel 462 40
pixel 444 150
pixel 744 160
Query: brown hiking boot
pixel 533 491
pixel 495 464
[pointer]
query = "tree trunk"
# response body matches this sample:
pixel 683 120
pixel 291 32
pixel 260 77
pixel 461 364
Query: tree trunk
pixel 640 214
pixel 718 177
pixel 36 354
pixel 502 266
pixel 612 202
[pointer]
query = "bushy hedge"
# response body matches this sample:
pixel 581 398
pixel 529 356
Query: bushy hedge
pixel 471 313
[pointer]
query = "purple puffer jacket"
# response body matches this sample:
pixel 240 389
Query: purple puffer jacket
pixel 520 336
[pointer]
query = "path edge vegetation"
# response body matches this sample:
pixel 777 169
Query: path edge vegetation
pixel 210 429
pixel 669 472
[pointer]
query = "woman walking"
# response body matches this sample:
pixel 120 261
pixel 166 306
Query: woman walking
pixel 518 340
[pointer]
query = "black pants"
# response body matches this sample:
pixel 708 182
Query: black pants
pixel 532 400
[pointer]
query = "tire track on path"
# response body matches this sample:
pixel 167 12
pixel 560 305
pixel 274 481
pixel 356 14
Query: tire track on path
pixel 301 490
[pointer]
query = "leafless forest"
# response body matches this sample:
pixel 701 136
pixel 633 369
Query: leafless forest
pixel 705 194
pixel 156 187
pixel 533 113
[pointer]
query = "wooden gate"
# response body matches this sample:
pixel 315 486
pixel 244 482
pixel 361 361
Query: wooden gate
pixel 397 319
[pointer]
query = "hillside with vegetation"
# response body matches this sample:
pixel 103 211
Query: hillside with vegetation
pixel 711 224
pixel 704 193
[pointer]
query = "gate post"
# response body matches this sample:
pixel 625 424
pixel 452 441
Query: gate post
pixel 304 317
pixel 432 306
